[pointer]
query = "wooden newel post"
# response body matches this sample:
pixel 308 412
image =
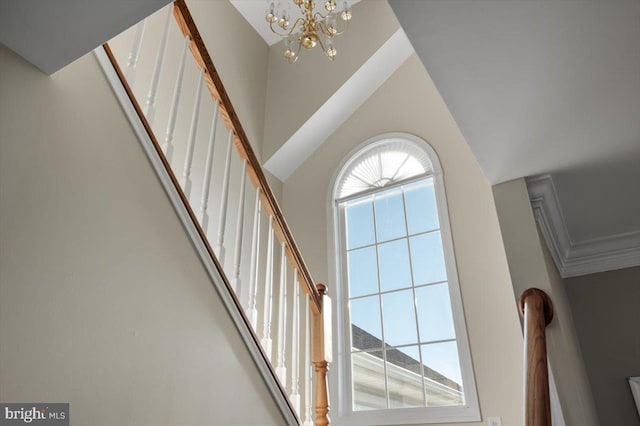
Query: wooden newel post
pixel 537 310
pixel 321 354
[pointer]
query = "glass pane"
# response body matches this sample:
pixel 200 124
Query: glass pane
pixel 422 214
pixel 395 271
pixel 435 320
pixel 366 332
pixel 427 258
pixel 363 272
pixel 359 218
pixel 390 215
pixel 404 377
pixel 367 371
pixel 399 318
pixel 441 365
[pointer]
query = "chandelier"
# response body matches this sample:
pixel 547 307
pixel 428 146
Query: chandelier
pixel 310 29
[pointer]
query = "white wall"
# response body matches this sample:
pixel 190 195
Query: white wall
pixel 103 301
pixel 409 102
pixel 531 265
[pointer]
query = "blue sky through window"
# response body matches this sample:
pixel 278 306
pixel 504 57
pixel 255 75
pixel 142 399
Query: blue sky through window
pixel 397 278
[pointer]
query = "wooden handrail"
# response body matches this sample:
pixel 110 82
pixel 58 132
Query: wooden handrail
pixel 537 310
pixel 232 122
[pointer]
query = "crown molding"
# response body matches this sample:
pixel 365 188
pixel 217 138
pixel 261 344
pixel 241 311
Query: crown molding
pixel 582 257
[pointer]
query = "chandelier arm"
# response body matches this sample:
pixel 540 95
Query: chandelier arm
pixel 323 28
pixel 318 14
pixel 286 34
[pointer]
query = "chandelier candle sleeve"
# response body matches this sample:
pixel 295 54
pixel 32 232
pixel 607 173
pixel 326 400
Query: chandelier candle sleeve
pixel 312 28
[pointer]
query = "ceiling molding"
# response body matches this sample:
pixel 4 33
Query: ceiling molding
pixel 581 257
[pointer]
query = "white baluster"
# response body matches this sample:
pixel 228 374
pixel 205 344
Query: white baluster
pixel 175 101
pixel 208 169
pixel 222 221
pixel 235 281
pixel 268 296
pixel 281 369
pixel 294 395
pixel 132 60
pixel 191 142
pixel 252 312
pixel 157 70
pixel 308 369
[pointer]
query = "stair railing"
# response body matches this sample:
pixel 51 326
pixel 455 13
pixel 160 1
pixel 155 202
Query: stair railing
pixel 246 237
pixel 537 309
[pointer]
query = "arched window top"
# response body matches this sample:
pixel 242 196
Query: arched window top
pixel 389 160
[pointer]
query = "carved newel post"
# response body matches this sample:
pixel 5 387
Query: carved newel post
pixel 537 310
pixel 321 355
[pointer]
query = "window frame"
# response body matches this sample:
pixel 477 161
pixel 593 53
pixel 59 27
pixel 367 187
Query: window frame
pixel 341 377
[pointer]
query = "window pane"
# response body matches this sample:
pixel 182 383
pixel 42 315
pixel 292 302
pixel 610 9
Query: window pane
pixel 427 258
pixel 404 377
pixel 399 318
pixel 367 370
pixel 435 320
pixel 363 272
pixel 390 215
pixel 366 332
pixel 441 365
pixel 395 271
pixel 359 218
pixel 422 214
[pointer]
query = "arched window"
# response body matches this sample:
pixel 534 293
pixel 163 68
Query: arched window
pixel 403 349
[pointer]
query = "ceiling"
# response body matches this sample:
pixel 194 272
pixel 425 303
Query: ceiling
pixel 52 34
pixel 545 87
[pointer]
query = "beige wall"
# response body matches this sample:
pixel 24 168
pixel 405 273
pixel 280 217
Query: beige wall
pixel 606 311
pixel 295 92
pixel 103 301
pixel 531 265
pixel 409 102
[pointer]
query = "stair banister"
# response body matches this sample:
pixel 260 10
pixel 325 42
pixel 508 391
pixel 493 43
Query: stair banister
pixel 311 333
pixel 230 118
pixel 537 309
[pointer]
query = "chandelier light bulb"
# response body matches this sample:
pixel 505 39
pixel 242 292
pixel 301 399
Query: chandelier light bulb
pixel 332 25
pixel 346 13
pixel 283 22
pixel 331 51
pixel 330 5
pixel 270 15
